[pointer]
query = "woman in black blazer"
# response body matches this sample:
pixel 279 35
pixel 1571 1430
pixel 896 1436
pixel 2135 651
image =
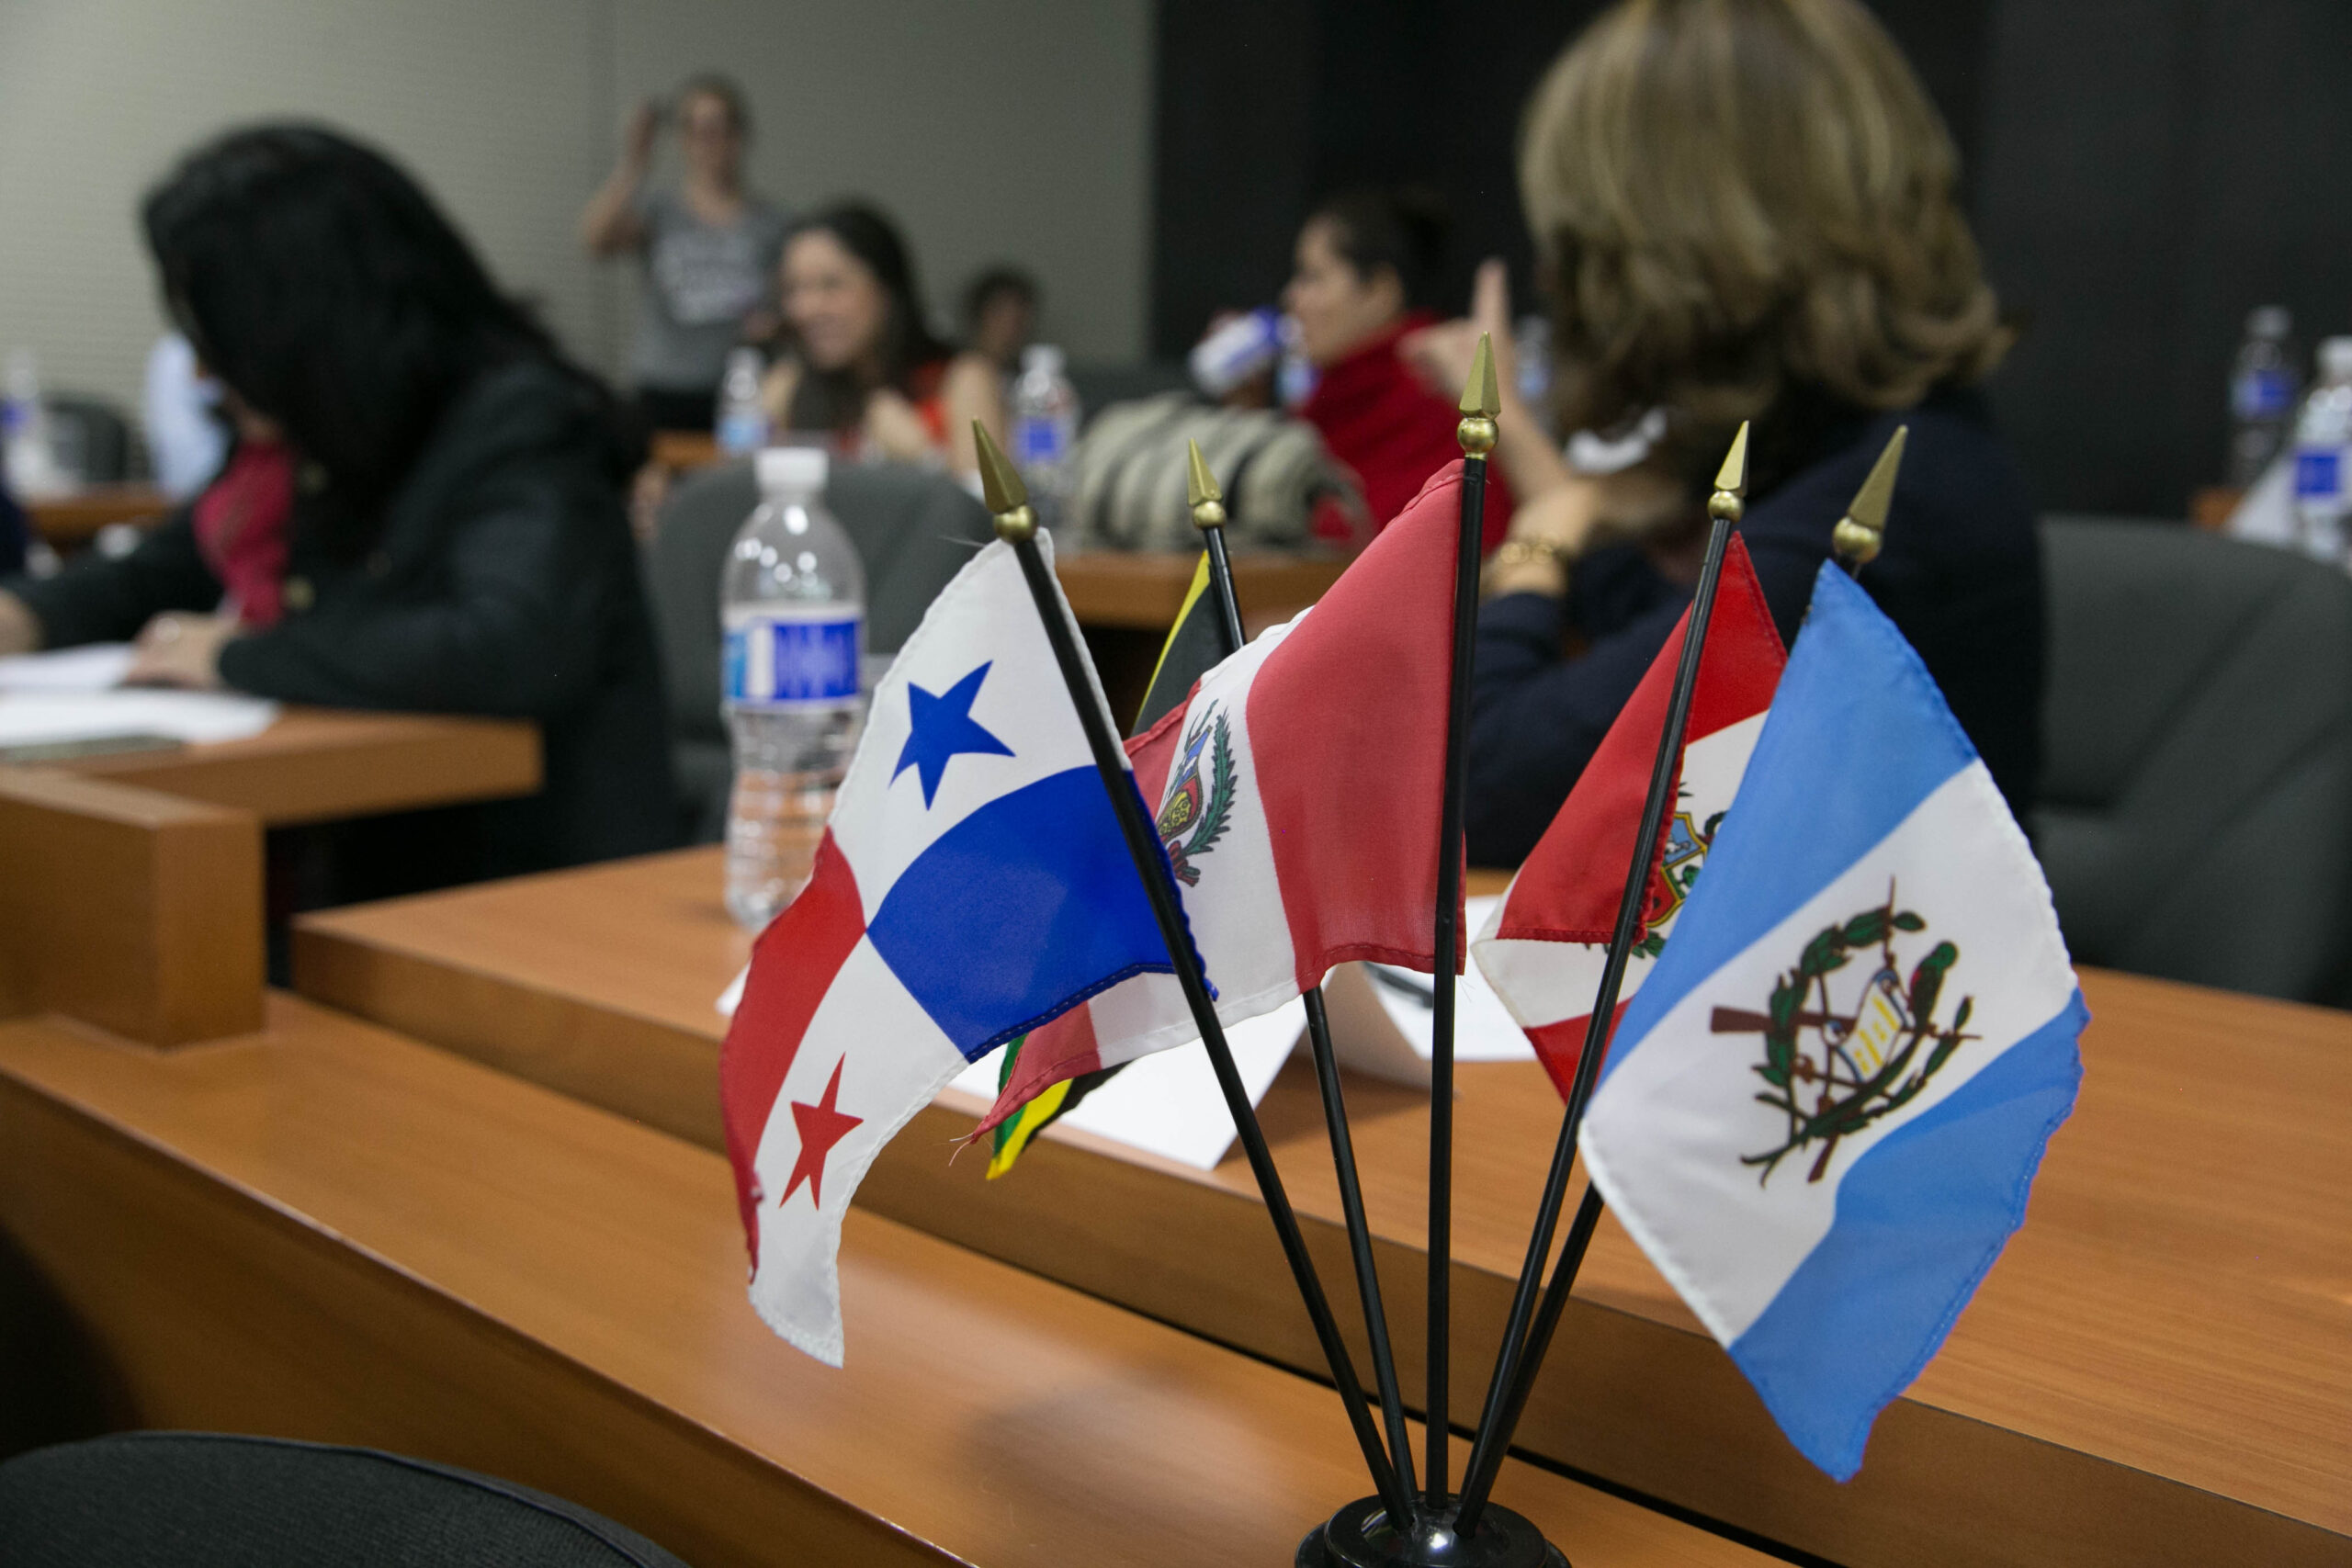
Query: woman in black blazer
pixel 456 541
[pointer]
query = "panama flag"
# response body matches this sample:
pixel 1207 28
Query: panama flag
pixel 1822 1115
pixel 971 884
pixel 1544 946
pixel 1297 793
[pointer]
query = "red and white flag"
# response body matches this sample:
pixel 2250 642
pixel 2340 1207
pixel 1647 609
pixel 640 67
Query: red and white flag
pixel 1297 793
pixel 1545 945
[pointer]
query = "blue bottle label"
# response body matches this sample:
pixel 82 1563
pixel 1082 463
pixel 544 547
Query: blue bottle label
pixel 1037 441
pixel 2319 473
pixel 775 659
pixel 2265 394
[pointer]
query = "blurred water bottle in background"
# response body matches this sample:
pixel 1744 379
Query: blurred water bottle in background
pixel 742 425
pixel 1532 348
pixel 2264 385
pixel 2322 454
pixel 26 455
pixel 792 605
pixel 1294 374
pixel 1044 429
pixel 1246 346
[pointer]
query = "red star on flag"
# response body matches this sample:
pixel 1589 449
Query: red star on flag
pixel 821 1128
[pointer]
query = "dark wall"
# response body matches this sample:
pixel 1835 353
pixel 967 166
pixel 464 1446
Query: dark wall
pixel 2140 173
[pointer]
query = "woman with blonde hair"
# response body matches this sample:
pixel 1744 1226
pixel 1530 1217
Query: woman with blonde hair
pixel 1743 209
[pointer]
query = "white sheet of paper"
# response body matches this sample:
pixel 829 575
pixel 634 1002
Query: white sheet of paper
pixel 1169 1103
pixel 732 998
pixel 95 666
pixel 1484 1030
pixel 41 719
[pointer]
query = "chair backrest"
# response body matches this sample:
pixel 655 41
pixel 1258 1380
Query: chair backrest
pixel 2195 815
pixel 93 436
pixel 914 529
pixel 205 1500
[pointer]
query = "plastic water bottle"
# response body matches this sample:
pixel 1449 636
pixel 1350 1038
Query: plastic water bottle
pixel 2264 384
pixel 1246 346
pixel 1044 429
pixel 26 456
pixel 2324 454
pixel 742 414
pixel 792 604
pixel 1531 352
pixel 1294 374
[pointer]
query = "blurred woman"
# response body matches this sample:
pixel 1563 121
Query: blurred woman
pixel 422 511
pixel 709 247
pixel 1362 270
pixel 867 374
pixel 1743 209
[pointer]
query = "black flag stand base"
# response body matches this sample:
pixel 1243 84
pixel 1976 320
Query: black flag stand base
pixel 1360 1536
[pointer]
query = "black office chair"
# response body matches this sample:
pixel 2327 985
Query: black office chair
pixel 913 528
pixel 91 436
pixel 207 1500
pixel 2195 815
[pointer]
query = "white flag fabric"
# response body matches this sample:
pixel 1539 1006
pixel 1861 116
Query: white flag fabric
pixel 1822 1115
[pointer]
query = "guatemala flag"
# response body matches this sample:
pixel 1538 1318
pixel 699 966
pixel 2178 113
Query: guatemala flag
pixel 1821 1116
pixel 971 884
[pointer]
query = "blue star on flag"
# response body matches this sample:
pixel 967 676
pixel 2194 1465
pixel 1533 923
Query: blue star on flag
pixel 944 728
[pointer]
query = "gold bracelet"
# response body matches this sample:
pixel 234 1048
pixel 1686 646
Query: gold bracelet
pixel 1512 555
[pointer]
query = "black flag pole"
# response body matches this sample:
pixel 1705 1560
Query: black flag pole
pixel 1481 402
pixel 1016 524
pixel 1856 541
pixel 1724 510
pixel 1207 503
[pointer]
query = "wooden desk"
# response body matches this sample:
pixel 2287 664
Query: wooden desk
pixel 1113 589
pixel 327 764
pixel 70 521
pixel 326 1231
pixel 2159 1370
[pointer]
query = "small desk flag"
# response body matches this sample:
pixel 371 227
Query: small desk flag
pixel 1544 946
pixel 1195 644
pixel 1822 1115
pixel 972 882
pixel 1297 793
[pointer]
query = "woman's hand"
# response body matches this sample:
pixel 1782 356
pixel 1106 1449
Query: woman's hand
pixel 1440 355
pixel 638 138
pixel 181 649
pixel 894 427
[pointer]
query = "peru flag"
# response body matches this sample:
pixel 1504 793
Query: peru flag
pixel 1297 792
pixel 1545 945
pixel 972 882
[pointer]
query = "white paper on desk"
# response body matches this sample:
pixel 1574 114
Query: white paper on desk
pixel 1169 1103
pixel 1383 1026
pixel 44 718
pixel 95 667
pixel 732 997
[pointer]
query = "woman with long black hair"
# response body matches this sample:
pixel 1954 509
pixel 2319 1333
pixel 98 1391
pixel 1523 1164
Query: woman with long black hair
pixel 424 511
pixel 866 371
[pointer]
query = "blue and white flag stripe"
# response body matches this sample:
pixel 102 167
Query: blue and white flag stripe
pixel 1834 1277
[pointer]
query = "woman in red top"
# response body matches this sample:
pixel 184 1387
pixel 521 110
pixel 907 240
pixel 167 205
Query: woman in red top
pixel 866 372
pixel 1363 259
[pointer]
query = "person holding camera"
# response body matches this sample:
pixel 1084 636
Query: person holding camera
pixel 709 249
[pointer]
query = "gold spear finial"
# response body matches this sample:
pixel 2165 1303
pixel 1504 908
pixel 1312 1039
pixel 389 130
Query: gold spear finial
pixel 1482 400
pixel 1002 488
pixel 1731 481
pixel 1862 530
pixel 1201 493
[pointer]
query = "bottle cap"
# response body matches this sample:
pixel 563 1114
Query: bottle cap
pixel 1042 357
pixel 792 470
pixel 2335 359
pixel 2269 321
